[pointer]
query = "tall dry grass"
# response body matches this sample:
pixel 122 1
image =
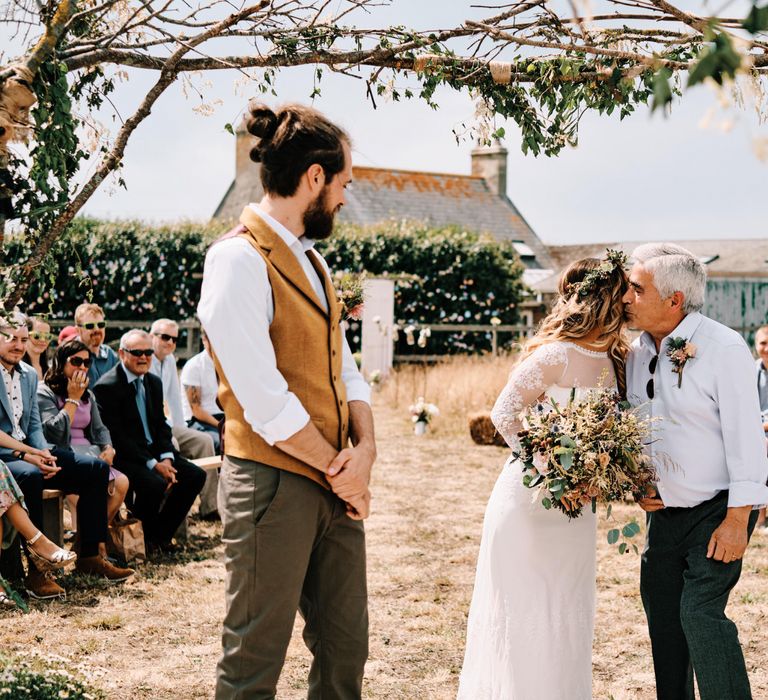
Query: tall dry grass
pixel 459 385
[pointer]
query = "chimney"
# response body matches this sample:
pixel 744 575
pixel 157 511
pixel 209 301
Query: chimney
pixel 244 142
pixel 490 162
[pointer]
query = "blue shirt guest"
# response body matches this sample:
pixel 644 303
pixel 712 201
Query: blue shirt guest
pixel 698 376
pixel 761 346
pixel 89 319
pixel 49 467
pixel 130 401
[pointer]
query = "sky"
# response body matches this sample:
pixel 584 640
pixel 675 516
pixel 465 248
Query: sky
pixel 649 177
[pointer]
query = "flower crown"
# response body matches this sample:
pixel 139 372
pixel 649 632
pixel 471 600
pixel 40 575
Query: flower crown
pixel 612 260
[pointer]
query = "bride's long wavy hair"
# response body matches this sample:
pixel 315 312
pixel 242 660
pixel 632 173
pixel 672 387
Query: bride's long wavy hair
pixel 575 314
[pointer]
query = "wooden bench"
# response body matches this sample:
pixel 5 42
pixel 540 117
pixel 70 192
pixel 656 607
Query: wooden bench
pixel 207 463
pixel 53 515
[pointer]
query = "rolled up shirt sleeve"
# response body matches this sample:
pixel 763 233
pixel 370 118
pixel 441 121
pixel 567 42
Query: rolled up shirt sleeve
pixel 742 430
pixel 357 388
pixel 234 310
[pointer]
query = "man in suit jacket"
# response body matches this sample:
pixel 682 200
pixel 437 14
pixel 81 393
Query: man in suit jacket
pixel 43 467
pixel 130 401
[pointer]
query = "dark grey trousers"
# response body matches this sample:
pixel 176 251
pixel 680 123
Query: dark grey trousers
pixel 289 546
pixel 684 595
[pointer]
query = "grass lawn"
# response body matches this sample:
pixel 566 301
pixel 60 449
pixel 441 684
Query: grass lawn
pixel 158 636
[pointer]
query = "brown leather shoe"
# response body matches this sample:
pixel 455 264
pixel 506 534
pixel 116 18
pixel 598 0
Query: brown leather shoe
pixel 98 566
pixel 42 586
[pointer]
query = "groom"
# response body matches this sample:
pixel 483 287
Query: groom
pixel 710 454
pixel 292 494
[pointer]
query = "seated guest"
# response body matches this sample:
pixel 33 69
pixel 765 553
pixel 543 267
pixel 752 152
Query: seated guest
pixel 55 468
pixel 89 319
pixel 761 346
pixel 71 417
pixel 198 377
pixel 67 333
pixel 193 444
pixel 130 400
pixel 44 554
pixel 40 338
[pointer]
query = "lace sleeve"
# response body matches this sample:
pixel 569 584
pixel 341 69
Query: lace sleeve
pixel 527 382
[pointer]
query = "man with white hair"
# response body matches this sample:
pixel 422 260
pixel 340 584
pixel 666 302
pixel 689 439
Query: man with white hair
pixel 698 376
pixel 130 401
pixel 191 443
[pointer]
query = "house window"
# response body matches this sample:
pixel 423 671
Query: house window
pixel 524 250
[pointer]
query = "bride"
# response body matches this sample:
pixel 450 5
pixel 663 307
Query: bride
pixel 529 634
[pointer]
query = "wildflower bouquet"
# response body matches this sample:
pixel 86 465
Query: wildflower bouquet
pixel 350 290
pixel 423 412
pixel 587 452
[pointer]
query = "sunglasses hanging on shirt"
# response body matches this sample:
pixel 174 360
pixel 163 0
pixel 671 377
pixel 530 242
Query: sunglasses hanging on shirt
pixel 649 388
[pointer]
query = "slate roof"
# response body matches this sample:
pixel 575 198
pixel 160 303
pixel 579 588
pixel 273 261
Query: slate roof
pixel 746 258
pixel 379 194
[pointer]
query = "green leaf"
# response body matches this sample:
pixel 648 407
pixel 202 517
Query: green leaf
pixel 705 67
pixel 546 503
pixel 757 19
pixel 613 536
pixel 662 91
pixel 622 548
pixel 630 529
pixel 228 127
pixel 608 511
pixel 566 460
pixel 565 441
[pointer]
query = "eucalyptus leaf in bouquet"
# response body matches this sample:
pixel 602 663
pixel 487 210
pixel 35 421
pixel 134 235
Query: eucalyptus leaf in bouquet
pixel 587 452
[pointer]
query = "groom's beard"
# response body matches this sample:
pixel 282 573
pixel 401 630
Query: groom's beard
pixel 318 220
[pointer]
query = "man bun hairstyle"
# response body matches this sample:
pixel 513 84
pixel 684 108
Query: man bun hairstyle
pixel 292 139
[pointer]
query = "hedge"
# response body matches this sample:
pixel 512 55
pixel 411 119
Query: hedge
pixel 137 271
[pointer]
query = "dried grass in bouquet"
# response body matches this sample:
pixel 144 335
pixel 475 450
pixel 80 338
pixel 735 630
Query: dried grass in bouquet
pixel 587 452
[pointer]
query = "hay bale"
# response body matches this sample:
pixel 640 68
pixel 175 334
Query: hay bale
pixel 483 431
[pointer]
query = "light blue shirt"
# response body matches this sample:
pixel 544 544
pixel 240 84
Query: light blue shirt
pixel 101 363
pixel 169 376
pixel 165 455
pixel 710 437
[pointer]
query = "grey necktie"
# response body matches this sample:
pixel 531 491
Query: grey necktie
pixel 141 403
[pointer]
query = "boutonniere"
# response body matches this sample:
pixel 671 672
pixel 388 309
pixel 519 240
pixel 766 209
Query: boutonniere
pixel 679 351
pixel 350 290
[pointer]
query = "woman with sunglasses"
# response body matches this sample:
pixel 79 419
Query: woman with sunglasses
pixel 40 338
pixel 71 418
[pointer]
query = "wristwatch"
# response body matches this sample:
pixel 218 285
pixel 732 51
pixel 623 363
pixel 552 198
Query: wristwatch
pixel 18 454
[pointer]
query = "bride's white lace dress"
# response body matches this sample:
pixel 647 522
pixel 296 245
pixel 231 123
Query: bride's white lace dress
pixel 531 622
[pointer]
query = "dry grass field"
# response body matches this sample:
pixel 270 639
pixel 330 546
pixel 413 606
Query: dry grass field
pixel 157 637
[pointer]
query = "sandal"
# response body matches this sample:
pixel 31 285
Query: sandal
pixel 59 559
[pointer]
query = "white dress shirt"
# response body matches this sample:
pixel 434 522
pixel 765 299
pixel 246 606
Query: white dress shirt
pixel 12 381
pixel 709 437
pixel 236 309
pixel 200 371
pixel 169 375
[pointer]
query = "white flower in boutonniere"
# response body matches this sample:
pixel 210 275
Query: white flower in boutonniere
pixel 679 351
